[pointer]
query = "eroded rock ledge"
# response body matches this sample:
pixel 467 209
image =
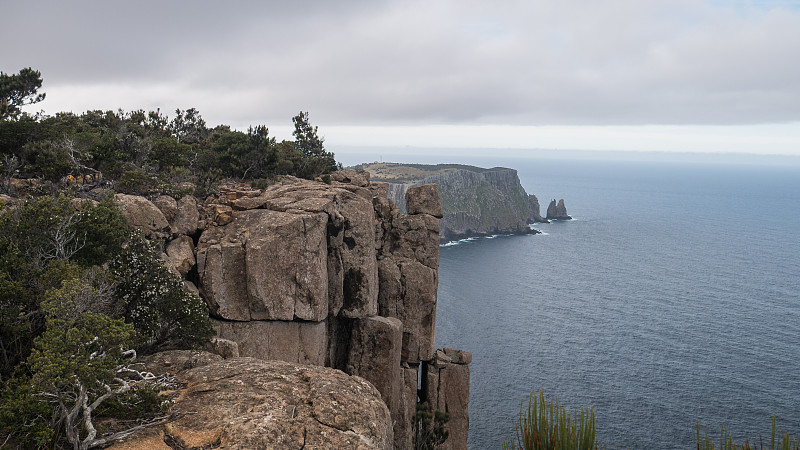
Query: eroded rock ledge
pixel 246 403
pixel 322 275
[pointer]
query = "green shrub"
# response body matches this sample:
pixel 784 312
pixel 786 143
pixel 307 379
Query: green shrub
pixel 25 417
pixel 155 300
pixel 136 182
pixel 545 425
pixel 429 427
pixel 104 229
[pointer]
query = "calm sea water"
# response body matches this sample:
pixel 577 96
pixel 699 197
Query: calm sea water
pixel 673 297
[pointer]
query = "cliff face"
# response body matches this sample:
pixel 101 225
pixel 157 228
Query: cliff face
pixel 479 202
pixel 323 275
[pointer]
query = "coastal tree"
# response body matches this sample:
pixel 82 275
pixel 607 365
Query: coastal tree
pixel 17 90
pixel 315 160
pixel 82 360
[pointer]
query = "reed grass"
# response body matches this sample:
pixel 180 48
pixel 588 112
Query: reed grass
pixel 546 425
pixel 778 440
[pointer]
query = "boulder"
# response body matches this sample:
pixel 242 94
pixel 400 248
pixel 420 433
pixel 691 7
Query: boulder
pixel 300 342
pixel 180 254
pixel 424 199
pixel 266 265
pixel 167 205
pixel 186 217
pixel 379 189
pixel 354 177
pixel 223 347
pixel 140 213
pixel 244 403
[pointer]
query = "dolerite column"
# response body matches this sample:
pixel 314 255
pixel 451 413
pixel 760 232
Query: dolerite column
pixel 445 386
pixel 375 355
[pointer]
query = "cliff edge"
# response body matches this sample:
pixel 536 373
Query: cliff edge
pixel 476 201
pixel 317 275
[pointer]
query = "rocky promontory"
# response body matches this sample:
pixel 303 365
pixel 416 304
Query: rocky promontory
pixel 475 201
pixel 333 280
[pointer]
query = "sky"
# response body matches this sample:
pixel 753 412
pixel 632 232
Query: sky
pixel 658 75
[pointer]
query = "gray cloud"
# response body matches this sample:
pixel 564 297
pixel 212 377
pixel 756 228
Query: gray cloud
pixel 418 62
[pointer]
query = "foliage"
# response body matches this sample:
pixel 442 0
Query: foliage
pixel 42 229
pixel 25 416
pixel 136 182
pixel 141 400
pixel 429 427
pixel 76 362
pixel 139 149
pixel 315 161
pixel 19 90
pixel 546 425
pixel 777 441
pixel 104 227
pixel 155 301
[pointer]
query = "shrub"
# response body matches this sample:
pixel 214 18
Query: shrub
pixel 138 183
pixel 545 425
pixel 104 229
pixel 429 427
pixel 155 300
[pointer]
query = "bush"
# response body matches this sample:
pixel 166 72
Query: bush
pixel 138 183
pixel 545 425
pixel 104 229
pixel 429 427
pixel 155 300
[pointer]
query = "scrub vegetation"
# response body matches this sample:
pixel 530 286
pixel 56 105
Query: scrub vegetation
pixel 81 294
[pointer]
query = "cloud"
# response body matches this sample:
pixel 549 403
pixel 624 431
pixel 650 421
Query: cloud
pixel 418 62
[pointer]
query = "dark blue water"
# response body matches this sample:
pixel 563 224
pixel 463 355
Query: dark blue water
pixel 673 297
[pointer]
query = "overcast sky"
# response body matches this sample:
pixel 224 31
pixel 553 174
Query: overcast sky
pixel 685 75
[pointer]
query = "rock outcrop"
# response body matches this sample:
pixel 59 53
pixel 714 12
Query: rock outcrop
pixel 557 211
pixel 246 403
pixel 476 201
pixel 313 274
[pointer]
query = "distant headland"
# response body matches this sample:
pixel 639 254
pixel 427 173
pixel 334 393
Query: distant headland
pixel 476 201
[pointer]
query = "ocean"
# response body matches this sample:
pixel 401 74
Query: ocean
pixel 672 298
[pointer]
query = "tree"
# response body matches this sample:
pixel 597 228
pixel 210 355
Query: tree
pixel 81 361
pixel 19 90
pixel 316 161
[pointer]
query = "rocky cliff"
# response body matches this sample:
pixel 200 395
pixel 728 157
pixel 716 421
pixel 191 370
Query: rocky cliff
pixel 476 201
pixel 321 275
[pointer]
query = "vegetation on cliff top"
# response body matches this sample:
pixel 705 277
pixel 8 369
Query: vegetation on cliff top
pixel 144 152
pixel 80 293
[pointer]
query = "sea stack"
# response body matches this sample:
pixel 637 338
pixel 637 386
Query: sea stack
pixel 557 211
